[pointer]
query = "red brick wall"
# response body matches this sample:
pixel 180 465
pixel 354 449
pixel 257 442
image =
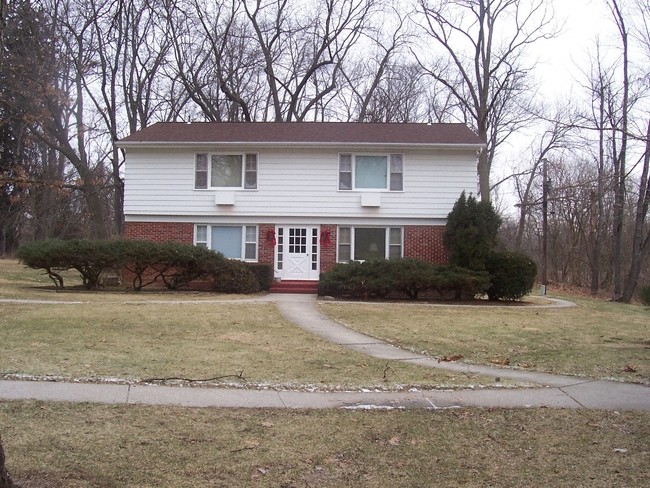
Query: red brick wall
pixel 420 241
pixel 327 247
pixel 266 246
pixel 425 242
pixel 160 231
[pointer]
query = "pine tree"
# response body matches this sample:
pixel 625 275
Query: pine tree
pixel 471 232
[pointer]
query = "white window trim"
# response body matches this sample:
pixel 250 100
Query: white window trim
pixel 243 174
pixel 352 239
pixel 354 155
pixel 208 242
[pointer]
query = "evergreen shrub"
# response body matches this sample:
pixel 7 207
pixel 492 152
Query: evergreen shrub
pixel 368 279
pixel 235 277
pixel 380 278
pixel 471 233
pixel 512 275
pixel 140 259
pixel 181 264
pixel 460 283
pixel 174 263
pixel 263 273
pixel 49 255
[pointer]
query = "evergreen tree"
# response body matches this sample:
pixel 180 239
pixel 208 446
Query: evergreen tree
pixel 471 232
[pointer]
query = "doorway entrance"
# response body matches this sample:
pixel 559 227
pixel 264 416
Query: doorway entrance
pixel 297 253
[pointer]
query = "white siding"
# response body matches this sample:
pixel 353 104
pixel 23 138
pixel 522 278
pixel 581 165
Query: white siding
pixel 296 183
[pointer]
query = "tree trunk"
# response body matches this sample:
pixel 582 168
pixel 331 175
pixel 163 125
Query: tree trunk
pixel 598 209
pixel 641 237
pixel 620 159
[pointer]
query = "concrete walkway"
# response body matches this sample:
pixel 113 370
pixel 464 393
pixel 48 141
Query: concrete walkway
pixel 556 391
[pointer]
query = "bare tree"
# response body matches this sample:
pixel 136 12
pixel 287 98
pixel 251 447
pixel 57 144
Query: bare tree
pixel 640 243
pixel 528 182
pixel 378 87
pixel 215 59
pixel 303 54
pixel 484 66
pixel 122 83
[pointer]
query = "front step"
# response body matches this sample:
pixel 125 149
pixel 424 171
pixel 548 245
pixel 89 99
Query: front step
pixel 294 286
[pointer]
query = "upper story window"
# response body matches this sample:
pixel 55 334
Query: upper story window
pixel 225 171
pixel 375 172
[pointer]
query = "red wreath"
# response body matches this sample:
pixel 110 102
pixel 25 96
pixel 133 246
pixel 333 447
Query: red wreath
pixel 270 237
pixel 325 238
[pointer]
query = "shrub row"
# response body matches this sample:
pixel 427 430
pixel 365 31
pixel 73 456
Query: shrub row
pixel 378 279
pixel 174 264
pixel 510 276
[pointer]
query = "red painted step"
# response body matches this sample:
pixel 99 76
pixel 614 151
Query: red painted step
pixel 294 286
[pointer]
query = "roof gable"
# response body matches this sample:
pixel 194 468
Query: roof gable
pixel 302 133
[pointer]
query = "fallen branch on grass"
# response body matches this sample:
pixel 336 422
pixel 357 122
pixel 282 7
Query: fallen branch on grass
pixel 455 357
pixel 239 376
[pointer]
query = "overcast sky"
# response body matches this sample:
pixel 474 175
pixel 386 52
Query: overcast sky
pixel 563 58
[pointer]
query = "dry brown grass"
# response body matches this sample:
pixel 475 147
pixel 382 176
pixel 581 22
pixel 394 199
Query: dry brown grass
pixel 187 338
pixel 597 339
pixel 78 446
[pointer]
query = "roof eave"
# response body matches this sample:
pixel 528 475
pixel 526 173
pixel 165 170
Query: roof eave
pixel 211 144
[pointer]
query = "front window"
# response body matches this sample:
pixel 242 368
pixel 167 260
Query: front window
pixel 225 171
pixel 373 172
pixel 233 241
pixel 364 243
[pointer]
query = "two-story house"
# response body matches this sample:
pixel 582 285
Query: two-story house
pixel 302 196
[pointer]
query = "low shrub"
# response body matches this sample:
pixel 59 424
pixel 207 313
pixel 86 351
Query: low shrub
pixel 49 255
pixel 512 275
pixel 413 277
pixel 235 277
pixel 139 259
pixel 368 279
pixel 181 264
pixel 263 273
pixel 174 263
pixel 378 279
pixel 460 283
pixel 91 259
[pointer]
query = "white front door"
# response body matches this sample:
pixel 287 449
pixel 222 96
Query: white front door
pixel 297 253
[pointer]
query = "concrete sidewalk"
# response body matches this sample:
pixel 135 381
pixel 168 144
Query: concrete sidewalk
pixel 556 391
pixel 599 395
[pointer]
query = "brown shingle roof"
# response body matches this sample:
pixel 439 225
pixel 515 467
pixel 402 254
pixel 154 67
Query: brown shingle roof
pixel 309 133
